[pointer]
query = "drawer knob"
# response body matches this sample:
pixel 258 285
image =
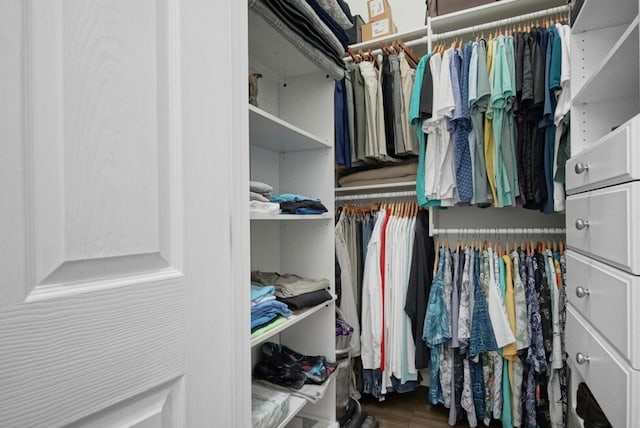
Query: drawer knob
pixel 582 292
pixel 581 358
pixel 581 167
pixel 582 224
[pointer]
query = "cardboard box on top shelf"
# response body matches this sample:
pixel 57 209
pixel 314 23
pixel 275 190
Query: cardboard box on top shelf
pixel 376 29
pixel 378 10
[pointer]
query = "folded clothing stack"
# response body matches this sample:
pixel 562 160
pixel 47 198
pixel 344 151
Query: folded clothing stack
pixel 268 407
pixel 263 319
pixel 285 367
pixel 265 310
pixel 259 197
pixel 299 204
pixel 386 175
pixel 315 28
pixel 293 290
pixel 260 191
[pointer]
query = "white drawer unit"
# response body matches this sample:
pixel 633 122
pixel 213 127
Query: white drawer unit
pixel 614 384
pixel 604 224
pixel 606 298
pixel 610 161
pixel 603 209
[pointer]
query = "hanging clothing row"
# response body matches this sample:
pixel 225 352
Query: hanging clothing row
pixel 494 327
pixel 481 324
pixel 375 246
pixel 492 120
pixel 372 105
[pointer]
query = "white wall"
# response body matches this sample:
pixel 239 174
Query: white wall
pixel 407 14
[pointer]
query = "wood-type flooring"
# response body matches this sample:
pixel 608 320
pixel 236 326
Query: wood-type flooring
pixel 410 410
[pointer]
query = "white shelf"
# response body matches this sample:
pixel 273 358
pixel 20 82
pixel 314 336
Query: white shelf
pixel 407 185
pixel 405 36
pixel 290 217
pixel 272 133
pixel 294 319
pixel 616 77
pixel 491 12
pixel 295 405
pixel 597 14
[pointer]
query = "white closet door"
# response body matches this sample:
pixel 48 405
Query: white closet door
pixel 122 229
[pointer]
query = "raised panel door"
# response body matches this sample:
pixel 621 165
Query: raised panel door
pixel 115 244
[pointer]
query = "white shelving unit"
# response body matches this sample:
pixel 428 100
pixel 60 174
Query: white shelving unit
pixel 291 148
pixel 605 88
pixel 602 180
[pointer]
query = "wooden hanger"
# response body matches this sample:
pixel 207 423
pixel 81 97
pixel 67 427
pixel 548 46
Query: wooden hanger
pixel 354 56
pixel 362 54
pixel 407 50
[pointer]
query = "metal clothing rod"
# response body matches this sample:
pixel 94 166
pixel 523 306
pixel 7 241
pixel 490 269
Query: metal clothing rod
pixel 500 23
pixel 405 194
pixel 502 231
pixel 411 43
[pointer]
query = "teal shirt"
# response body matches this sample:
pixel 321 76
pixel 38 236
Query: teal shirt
pixel 555 71
pixel 501 90
pixel 414 120
pixel 507 416
pixel 511 53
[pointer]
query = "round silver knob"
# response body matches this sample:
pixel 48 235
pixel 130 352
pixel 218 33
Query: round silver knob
pixel 581 167
pixel 581 358
pixel 582 292
pixel 582 224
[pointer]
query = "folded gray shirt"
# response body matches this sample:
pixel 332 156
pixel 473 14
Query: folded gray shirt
pixel 260 187
pixel 253 196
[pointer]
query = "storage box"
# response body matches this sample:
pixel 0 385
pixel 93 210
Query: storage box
pixel 378 10
pixel 376 29
pixel 442 7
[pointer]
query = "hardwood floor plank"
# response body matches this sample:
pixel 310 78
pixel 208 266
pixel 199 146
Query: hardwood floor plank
pixel 410 410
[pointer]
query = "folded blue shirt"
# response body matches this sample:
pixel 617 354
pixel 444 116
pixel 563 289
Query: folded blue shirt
pixel 270 306
pixel 292 197
pixel 260 291
pixel 264 312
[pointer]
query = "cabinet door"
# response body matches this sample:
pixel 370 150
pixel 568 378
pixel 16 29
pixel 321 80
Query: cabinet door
pixel 117 270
